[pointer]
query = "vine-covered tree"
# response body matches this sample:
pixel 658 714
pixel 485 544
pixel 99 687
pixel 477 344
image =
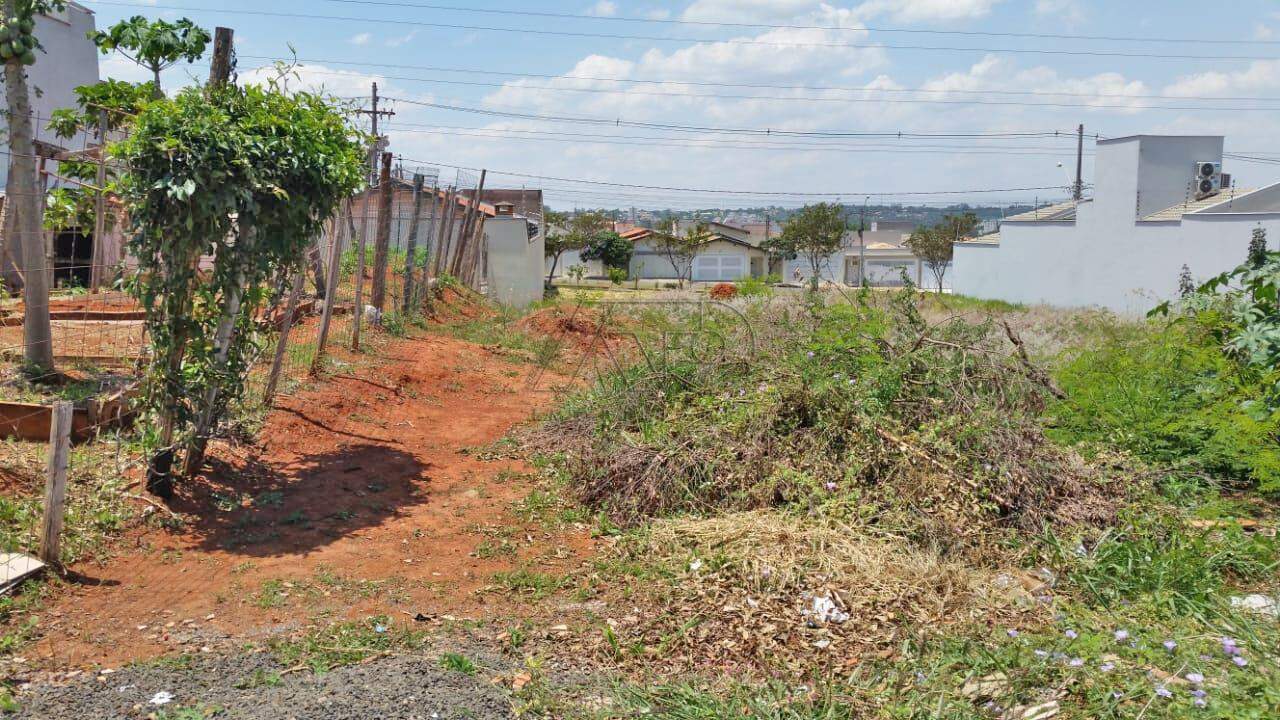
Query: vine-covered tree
pixel 154 44
pixel 611 249
pixel 245 176
pixel 18 46
pixel 556 237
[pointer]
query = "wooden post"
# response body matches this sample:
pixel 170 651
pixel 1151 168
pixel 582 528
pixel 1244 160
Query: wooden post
pixel 358 313
pixel 441 264
pixel 318 277
pixel 382 242
pixel 55 487
pixel 283 343
pixel 424 288
pixel 220 66
pixel 331 288
pixel 468 224
pixel 411 246
pixel 99 208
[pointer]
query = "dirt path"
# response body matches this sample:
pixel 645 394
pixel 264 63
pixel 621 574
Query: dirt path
pixel 364 496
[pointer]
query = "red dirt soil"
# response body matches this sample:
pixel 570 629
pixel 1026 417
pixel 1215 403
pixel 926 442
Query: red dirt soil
pixel 372 478
pixel 581 328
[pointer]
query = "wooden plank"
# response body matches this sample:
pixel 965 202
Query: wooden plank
pixel 16 568
pixel 55 489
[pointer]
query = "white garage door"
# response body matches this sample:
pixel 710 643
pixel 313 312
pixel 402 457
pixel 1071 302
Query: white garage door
pixel 714 268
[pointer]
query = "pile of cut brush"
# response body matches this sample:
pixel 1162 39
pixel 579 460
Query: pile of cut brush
pixel 933 429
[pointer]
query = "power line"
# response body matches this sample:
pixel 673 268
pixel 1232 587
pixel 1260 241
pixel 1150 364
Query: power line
pixel 891 101
pixel 767 132
pixel 753 193
pixel 769 86
pixel 767 26
pixel 660 38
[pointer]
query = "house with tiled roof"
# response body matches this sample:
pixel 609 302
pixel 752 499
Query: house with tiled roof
pixel 1159 203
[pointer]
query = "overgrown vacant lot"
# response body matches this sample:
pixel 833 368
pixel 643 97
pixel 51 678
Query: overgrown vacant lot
pixel 845 506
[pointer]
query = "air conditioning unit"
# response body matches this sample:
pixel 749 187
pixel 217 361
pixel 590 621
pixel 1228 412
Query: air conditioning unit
pixel 1208 179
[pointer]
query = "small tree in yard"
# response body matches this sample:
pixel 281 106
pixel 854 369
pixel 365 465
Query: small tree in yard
pixel 814 233
pixel 155 45
pixel 680 249
pixel 935 246
pixel 556 238
pixel 18 46
pixel 247 176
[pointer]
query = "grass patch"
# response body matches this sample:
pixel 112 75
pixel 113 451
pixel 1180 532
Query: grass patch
pixel 530 583
pixel 347 644
pixel 457 662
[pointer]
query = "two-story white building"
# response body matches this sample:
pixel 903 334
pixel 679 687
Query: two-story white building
pixel 1159 203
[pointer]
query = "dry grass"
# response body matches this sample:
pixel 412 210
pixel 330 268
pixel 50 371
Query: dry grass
pixel 743 590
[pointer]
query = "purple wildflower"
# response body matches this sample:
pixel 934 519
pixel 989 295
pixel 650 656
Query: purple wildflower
pixel 830 486
pixel 1107 667
pixel 1195 677
pixel 1198 693
pixel 1076 662
pixel 1012 633
pixel 1071 634
pixel 1170 645
pixel 1163 691
pixel 810 353
pixel 1122 635
pixel 1200 702
pixel 1041 653
pixel 1239 661
pixel 1117 694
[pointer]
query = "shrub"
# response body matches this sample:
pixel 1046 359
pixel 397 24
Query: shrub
pixel 617 275
pixel 1167 393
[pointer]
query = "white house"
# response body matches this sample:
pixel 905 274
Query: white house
pixel 730 255
pixel 885 254
pixel 1124 248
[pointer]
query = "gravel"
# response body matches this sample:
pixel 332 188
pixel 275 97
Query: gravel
pixel 395 688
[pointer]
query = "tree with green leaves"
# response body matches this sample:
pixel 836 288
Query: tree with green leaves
pixel 18 46
pixel 154 44
pixel 680 248
pixel 814 233
pixel 572 233
pixel 611 249
pixel 1257 254
pixel 935 246
pixel 245 176
pixel 556 238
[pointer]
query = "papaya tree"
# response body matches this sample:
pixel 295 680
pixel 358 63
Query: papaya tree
pixel 154 44
pixel 245 177
pixel 18 46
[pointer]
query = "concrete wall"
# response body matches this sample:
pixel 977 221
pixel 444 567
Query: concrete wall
pixel 516 262
pixel 595 268
pixel 1108 257
pixel 650 263
pixel 70 60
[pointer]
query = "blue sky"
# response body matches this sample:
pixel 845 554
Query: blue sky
pixel 843 66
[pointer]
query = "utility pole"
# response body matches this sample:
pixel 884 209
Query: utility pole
pixel 375 113
pixel 1078 190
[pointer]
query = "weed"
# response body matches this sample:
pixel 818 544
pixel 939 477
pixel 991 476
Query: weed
pixel 260 679
pixel 524 581
pixel 347 644
pixel 272 594
pixel 458 663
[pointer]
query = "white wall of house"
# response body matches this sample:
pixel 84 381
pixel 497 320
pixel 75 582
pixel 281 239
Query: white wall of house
pixel 514 260
pixel 70 60
pixel 717 261
pixel 570 258
pixel 1109 256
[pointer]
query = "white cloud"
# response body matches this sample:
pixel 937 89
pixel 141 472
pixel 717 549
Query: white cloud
pixel 993 72
pixel 403 39
pixel 1069 12
pixel 1262 32
pixel 1258 76
pixel 603 8
pixel 658 14
pixel 747 10
pixel 361 39
pixel 910 11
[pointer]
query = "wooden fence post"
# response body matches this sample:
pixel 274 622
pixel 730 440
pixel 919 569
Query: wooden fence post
pixel 98 253
pixel 411 247
pixel 220 66
pixel 358 314
pixel 283 343
pixel 382 240
pixel 55 488
pixel 331 288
